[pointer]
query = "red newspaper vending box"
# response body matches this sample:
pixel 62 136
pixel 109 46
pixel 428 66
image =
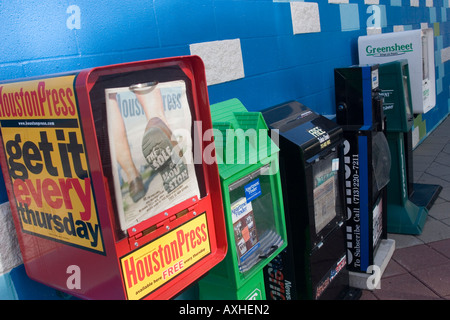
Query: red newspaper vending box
pixel 108 188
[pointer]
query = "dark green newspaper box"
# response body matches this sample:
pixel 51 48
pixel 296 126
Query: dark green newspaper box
pixel 407 202
pixel 252 198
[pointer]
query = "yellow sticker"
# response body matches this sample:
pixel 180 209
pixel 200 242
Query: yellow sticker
pixel 158 262
pixel 47 162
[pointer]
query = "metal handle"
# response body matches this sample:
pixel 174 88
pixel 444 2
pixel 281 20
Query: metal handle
pixel 268 254
pixel 140 86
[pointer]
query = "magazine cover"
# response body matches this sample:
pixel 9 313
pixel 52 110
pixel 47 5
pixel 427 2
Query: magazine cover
pixel 244 226
pixel 149 127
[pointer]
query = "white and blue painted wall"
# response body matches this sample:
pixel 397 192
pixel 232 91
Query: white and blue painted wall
pixel 263 52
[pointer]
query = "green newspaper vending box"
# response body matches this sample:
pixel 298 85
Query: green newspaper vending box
pixel 252 198
pixel 407 202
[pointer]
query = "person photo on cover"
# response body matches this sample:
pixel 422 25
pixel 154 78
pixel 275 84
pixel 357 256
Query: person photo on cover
pixel 156 143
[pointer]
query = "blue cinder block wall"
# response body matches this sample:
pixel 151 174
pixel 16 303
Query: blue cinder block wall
pixel 47 37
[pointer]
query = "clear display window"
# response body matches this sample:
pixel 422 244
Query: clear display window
pixel 325 200
pixel 253 212
pixel 149 127
pixel 326 190
pixel 144 121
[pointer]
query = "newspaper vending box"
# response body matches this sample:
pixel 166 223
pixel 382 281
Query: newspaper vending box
pixel 367 161
pixel 103 168
pixel 253 203
pixel 313 264
pixel 407 202
pixel 417 46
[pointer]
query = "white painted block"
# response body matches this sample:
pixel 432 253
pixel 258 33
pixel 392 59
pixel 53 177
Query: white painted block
pixel 337 1
pixel 373 30
pixel 414 3
pixel 371 1
pixel 305 17
pixel 415 137
pixel 10 256
pixel 223 60
pixel 445 54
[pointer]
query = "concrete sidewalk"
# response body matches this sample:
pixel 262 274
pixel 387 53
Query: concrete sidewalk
pixel 420 265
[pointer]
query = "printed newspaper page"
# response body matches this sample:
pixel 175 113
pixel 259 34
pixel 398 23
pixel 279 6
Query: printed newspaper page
pixel 325 194
pixel 149 128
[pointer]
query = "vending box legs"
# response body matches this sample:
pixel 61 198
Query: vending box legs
pixel 109 195
pixel 404 216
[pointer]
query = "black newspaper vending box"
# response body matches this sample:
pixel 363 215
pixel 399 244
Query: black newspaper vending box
pixel 313 264
pixel 367 162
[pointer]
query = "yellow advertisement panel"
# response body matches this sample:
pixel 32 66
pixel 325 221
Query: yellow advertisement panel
pixel 47 162
pixel 148 268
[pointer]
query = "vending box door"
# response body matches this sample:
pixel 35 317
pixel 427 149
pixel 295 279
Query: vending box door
pixel 254 210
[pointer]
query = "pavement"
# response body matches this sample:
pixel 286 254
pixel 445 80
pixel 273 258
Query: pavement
pixel 419 268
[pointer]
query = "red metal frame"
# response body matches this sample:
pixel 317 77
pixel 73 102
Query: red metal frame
pixel 101 277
